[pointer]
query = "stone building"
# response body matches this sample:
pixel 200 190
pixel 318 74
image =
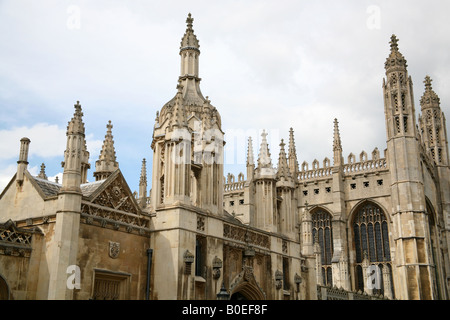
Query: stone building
pixel 358 229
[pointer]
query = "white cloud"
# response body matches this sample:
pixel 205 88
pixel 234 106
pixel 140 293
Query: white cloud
pixel 264 64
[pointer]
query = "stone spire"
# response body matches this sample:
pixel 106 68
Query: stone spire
pixel 42 174
pixel 189 40
pixel 433 125
pixel 143 184
pixel 74 155
pixel 106 164
pixel 292 155
pixel 264 160
pixel 178 116
pixel 250 158
pixel 395 61
pixel 429 99
pixel 283 168
pixel 337 146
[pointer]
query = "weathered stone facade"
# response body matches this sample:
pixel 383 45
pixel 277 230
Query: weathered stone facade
pixel 372 226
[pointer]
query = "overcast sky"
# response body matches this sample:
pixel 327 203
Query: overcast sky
pixel 264 64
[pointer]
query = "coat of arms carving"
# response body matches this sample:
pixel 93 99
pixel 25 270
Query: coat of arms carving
pixel 114 249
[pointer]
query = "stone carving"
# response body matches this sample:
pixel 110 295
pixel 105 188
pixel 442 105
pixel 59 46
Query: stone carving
pixel 244 235
pixel 114 249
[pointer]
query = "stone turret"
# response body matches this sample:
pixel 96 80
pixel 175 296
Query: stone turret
pixel 407 186
pixel 64 250
pixel 107 163
pixel 433 125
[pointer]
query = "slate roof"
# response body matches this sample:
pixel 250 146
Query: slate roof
pixel 50 188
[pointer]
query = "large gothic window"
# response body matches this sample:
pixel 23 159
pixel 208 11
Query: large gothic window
pixel 322 232
pixel 371 240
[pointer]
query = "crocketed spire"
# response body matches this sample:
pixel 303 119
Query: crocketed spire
pixel 283 168
pixel 42 174
pixel 106 164
pixel 143 177
pixel 396 61
pixel 292 156
pixel 76 125
pixel 264 160
pixel 250 158
pixel 337 146
pixel 429 99
pixel 189 40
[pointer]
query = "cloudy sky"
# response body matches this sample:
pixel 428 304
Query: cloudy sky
pixel 264 64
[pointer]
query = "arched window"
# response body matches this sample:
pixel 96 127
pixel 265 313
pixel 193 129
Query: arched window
pixel 371 241
pixel 322 232
pixel 433 230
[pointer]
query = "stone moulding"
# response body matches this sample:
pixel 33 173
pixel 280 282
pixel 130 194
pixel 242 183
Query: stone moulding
pixel 105 217
pixel 246 236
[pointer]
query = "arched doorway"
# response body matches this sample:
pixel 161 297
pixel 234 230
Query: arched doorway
pixel 247 291
pixel 4 289
pixel 245 287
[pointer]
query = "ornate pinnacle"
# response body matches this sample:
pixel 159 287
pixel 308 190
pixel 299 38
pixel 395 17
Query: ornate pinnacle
pixel 76 125
pixel 250 160
pixel 337 137
pixel 429 98
pixel 395 61
pixel 189 21
pixel 42 174
pixel 143 178
pixel 427 82
pixel 394 43
pixel 283 169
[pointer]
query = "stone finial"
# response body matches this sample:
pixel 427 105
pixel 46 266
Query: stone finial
pixel 395 61
pixel 42 174
pixel 429 99
pixel 189 40
pixel 394 43
pixel 76 125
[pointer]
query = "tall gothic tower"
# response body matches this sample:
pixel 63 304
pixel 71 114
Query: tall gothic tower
pixel 188 140
pixel 410 221
pixel 187 175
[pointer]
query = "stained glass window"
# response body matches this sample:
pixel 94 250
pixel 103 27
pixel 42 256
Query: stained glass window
pixel 323 229
pixel 371 240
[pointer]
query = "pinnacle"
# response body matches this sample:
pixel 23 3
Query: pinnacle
pixel 395 59
pixel 76 125
pixel 189 40
pixel 264 160
pixel 283 169
pixel 250 159
pixel 337 137
pixel 143 178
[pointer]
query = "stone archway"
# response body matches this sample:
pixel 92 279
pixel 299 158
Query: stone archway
pixel 245 287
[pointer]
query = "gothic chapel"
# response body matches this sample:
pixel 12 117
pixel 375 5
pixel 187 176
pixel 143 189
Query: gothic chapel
pixel 369 226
